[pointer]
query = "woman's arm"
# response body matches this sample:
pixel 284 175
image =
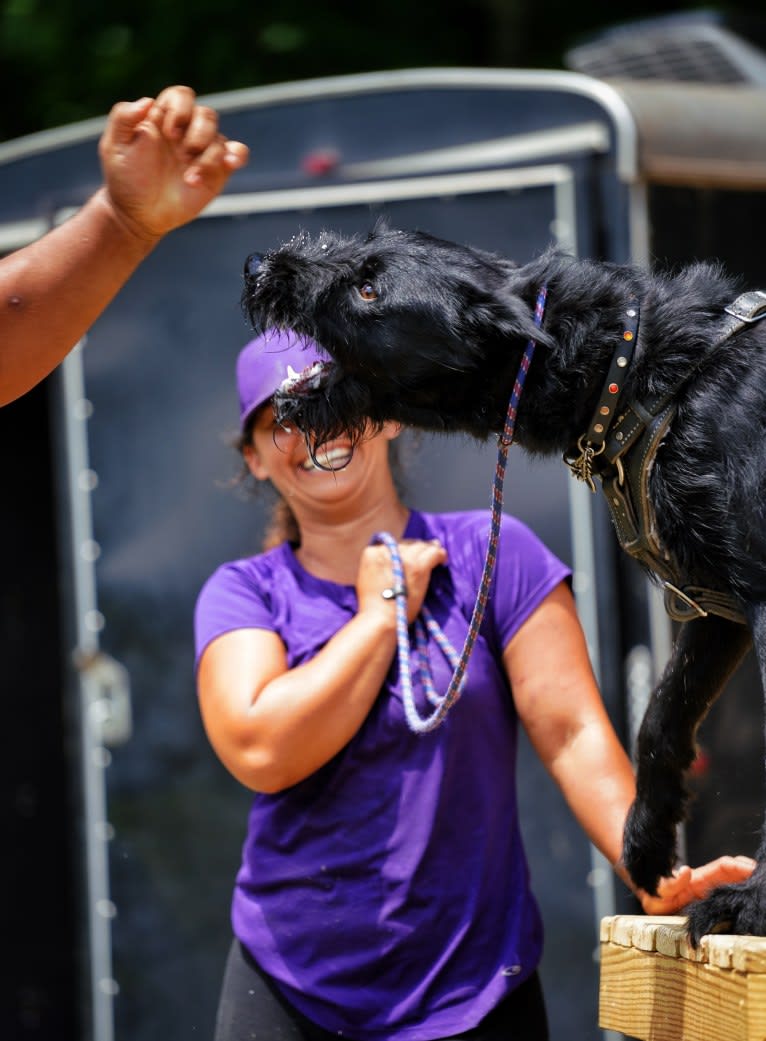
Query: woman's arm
pixel 559 703
pixel 272 726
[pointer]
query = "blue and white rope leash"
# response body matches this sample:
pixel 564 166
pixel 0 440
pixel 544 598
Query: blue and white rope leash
pixel 426 624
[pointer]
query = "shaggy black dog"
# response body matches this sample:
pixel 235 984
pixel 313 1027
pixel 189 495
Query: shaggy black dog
pixel 644 381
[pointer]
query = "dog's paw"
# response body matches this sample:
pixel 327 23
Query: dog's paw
pixel 649 848
pixel 739 908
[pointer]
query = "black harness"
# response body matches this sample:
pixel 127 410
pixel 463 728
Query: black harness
pixel 619 448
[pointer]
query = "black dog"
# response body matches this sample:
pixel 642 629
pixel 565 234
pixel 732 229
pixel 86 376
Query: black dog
pixel 644 381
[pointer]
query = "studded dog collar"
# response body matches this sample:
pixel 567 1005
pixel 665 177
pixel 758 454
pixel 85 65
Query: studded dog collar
pixel 593 442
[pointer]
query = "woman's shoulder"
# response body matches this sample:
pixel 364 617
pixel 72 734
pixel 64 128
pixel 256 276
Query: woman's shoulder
pixel 240 594
pixel 252 570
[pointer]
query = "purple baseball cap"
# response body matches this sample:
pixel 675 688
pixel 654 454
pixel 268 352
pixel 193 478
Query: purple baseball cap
pixel 265 362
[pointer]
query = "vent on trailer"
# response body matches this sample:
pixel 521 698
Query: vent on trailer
pixel 700 47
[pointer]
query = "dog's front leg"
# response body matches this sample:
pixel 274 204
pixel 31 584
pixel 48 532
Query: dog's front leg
pixel 741 907
pixel 705 654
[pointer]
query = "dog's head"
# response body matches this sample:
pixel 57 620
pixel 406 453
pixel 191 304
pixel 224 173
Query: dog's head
pixel 415 326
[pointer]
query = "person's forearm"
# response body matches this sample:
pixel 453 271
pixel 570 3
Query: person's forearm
pixel 600 795
pixel 301 719
pixel 53 290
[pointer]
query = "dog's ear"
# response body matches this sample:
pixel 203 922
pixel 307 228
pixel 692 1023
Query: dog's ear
pixel 503 315
pixel 380 227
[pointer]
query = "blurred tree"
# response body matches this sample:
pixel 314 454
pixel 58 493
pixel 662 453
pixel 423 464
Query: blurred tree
pixel 66 60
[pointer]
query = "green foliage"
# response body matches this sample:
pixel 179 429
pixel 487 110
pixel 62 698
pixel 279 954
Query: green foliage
pixel 66 60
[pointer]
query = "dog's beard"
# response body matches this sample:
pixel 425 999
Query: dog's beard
pixel 325 406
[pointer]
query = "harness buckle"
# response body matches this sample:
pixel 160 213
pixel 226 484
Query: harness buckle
pixel 749 307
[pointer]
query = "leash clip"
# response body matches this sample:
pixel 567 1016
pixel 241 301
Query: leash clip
pixel 581 467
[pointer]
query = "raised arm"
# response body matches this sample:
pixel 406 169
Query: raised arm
pixel 163 160
pixel 272 726
pixel 561 708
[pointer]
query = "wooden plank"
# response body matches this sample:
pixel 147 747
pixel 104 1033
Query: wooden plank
pixel 655 987
pixel 656 998
pixel 755 1004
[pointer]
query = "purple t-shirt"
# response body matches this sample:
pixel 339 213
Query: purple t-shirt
pixel 388 893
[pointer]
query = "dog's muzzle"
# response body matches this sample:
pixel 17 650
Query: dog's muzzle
pixel 297 386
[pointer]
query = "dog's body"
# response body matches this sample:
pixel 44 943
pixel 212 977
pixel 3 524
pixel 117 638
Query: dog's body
pixel 431 333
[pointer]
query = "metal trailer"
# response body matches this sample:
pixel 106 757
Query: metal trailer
pixel 125 830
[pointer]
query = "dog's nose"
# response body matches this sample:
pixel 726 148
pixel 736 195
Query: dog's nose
pixel 252 264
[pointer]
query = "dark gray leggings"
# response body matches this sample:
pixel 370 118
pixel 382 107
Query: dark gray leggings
pixel 252 1009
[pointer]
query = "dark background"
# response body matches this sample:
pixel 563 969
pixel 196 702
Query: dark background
pixel 67 60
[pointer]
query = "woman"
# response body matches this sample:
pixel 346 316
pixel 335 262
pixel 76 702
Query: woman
pixel 384 893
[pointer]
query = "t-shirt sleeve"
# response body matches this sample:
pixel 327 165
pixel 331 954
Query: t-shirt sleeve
pixel 232 598
pixel 526 571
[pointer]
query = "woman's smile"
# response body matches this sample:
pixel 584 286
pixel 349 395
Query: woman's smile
pixel 328 457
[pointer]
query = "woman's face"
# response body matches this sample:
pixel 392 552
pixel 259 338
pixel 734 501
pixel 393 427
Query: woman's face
pixel 281 456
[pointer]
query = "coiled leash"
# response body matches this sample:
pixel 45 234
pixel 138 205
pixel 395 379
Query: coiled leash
pixel 425 623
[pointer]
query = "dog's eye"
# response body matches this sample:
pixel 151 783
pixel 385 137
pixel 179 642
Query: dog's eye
pixel 367 291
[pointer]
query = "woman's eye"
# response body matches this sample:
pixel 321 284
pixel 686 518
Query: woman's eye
pixel 367 291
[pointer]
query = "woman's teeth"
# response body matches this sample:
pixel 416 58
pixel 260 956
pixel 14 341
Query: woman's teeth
pixel 329 459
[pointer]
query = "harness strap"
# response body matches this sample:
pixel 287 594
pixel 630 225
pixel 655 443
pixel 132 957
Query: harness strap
pixel 626 489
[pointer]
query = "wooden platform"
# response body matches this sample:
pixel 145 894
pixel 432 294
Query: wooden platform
pixel 656 987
